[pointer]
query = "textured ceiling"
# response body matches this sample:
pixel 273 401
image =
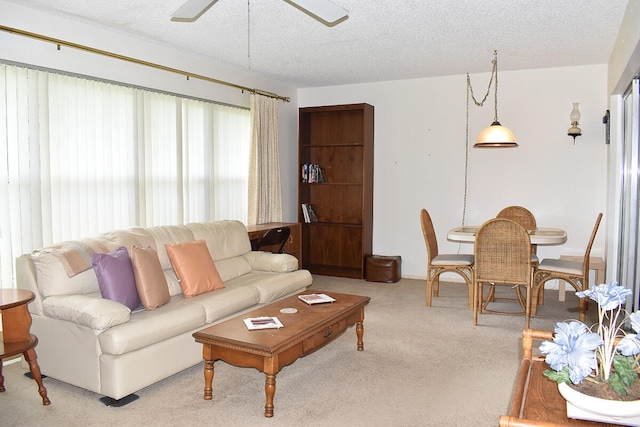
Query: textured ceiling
pixel 381 40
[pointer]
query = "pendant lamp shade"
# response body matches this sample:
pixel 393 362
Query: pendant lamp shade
pixel 495 136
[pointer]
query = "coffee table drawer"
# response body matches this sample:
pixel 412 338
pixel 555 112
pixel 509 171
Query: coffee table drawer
pixel 327 335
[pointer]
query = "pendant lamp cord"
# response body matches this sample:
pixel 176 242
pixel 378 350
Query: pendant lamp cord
pixel 249 34
pixel 470 95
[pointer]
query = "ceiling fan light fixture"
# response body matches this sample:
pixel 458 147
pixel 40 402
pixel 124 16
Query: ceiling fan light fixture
pixel 495 136
pixel 191 10
pixel 325 11
pixel 329 13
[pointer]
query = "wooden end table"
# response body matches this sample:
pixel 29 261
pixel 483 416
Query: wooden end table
pixel 269 350
pixel 536 400
pixel 15 337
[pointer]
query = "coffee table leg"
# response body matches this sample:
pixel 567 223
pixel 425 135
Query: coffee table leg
pixel 270 390
pixel 359 333
pixel 208 379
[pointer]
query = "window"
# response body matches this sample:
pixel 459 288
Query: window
pixel 80 157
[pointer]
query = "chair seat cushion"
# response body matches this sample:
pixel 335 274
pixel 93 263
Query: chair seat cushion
pixel 452 259
pixel 561 266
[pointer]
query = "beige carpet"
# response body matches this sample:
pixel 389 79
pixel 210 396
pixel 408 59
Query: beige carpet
pixel 420 367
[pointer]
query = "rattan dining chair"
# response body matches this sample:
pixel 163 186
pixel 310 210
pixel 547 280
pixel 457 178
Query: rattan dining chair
pixel 527 220
pixel 437 264
pixel 576 273
pixel 502 257
pixel 522 216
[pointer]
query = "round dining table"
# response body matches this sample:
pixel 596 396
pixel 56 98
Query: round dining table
pixel 539 236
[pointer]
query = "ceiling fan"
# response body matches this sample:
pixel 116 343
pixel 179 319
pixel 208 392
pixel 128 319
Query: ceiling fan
pixel 324 11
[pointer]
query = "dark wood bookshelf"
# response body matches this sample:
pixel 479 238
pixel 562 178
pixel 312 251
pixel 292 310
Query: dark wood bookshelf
pixel 338 138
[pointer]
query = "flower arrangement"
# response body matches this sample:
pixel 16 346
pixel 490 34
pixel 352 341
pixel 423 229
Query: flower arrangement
pixel 607 355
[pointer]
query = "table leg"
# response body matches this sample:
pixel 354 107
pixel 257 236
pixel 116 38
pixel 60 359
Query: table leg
pixel 32 359
pixel 359 333
pixel 270 390
pixel 208 379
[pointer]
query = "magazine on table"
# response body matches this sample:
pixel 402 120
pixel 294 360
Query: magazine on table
pixel 316 298
pixel 262 322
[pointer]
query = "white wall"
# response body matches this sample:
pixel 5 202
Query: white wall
pixel 420 156
pixel 19 49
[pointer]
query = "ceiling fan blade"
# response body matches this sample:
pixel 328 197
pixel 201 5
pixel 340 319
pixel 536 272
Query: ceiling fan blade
pixel 325 10
pixel 191 10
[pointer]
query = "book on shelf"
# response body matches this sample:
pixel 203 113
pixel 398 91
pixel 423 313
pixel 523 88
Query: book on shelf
pixel 312 213
pixel 312 173
pixel 305 213
pixel 309 213
pixel 263 322
pixel 316 298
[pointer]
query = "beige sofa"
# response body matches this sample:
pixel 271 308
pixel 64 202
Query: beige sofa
pixel 103 346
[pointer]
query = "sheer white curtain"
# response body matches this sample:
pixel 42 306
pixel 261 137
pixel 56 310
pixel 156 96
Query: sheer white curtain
pixel 79 157
pixel 216 173
pixel 265 192
pixel 87 155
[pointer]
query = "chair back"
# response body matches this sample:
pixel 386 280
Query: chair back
pixel 502 253
pixel 520 215
pixel 587 253
pixel 429 235
pixel 275 236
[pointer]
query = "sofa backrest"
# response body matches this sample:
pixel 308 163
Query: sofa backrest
pixel 65 268
pixel 227 242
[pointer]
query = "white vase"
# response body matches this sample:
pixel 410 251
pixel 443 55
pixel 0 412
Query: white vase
pixel 584 407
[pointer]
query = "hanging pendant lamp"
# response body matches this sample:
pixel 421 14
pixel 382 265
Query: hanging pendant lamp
pixel 496 135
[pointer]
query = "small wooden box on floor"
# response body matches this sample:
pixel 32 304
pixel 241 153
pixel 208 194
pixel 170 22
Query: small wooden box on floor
pixel 383 268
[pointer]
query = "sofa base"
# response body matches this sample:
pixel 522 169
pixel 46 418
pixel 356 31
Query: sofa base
pixel 118 403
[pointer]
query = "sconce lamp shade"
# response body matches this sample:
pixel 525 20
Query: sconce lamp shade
pixel 496 136
pixel 574 117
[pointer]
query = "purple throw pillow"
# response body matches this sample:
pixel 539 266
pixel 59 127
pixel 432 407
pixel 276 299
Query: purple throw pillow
pixel 115 277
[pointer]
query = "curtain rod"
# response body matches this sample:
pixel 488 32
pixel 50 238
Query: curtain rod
pixel 139 61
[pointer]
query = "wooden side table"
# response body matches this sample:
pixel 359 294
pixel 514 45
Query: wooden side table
pixel 536 401
pixel 15 337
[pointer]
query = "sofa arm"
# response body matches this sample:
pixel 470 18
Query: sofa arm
pixel 266 261
pixel 94 313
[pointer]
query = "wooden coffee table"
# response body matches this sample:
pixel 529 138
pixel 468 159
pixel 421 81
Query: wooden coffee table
pixel 269 350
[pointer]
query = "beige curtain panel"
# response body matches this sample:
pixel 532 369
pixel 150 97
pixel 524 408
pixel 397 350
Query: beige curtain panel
pixel 265 193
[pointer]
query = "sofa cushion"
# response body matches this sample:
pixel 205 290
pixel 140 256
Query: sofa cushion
pixel 115 277
pixel 225 302
pixel 150 327
pixel 168 235
pixel 232 267
pixel 172 282
pixel 266 261
pixel 273 286
pixel 150 281
pixel 86 310
pixel 138 236
pixel 225 239
pixel 194 267
pixel 53 279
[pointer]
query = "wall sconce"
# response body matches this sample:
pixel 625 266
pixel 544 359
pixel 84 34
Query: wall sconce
pixel 574 117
